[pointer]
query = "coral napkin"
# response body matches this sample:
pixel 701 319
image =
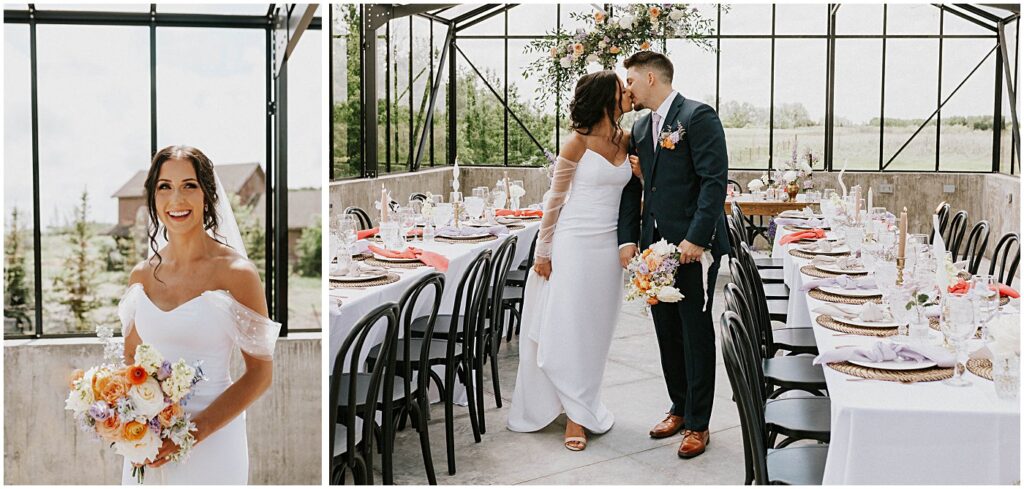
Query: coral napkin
pixel 518 213
pixel 797 236
pixel 367 233
pixel 961 287
pixel 435 260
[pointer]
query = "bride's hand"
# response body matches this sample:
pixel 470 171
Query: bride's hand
pixel 634 164
pixel 166 450
pixel 543 269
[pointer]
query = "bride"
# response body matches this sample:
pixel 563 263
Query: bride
pixel 574 293
pixel 198 297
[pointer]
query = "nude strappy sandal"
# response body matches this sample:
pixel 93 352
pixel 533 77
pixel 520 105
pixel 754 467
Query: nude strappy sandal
pixel 582 440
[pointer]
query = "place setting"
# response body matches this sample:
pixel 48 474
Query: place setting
pixel 892 362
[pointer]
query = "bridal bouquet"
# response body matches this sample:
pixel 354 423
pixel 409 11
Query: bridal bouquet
pixel 136 407
pixel 653 274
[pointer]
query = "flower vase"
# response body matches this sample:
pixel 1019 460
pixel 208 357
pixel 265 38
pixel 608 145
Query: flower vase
pixel 792 189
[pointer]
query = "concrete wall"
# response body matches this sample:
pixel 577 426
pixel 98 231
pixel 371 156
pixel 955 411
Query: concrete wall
pixel 42 444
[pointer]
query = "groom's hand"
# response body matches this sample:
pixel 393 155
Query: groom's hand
pixel 626 253
pixel 689 252
pixel 634 164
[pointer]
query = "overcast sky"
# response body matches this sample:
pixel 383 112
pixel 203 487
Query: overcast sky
pixel 94 111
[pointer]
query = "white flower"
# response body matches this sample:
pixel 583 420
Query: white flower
pixel 180 382
pixel 601 44
pixel 148 358
pixel 592 58
pixel 805 168
pixel 516 191
pixel 79 400
pixel 676 15
pixel 141 450
pixel 755 185
pixel 147 398
pixel 626 21
pixel 669 294
pixel 1005 334
pixel 662 248
pixel 565 62
pixel 789 177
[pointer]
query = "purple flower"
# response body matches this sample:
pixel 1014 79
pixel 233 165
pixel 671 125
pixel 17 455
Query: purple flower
pixel 642 269
pixel 165 370
pixel 100 411
pixel 607 39
pixel 155 424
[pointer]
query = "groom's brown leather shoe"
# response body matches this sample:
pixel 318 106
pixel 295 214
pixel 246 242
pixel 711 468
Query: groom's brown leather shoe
pixel 668 427
pixel 694 443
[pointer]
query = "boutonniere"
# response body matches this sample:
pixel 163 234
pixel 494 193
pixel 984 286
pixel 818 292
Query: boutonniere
pixel 670 138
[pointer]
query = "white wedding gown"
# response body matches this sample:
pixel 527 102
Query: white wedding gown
pixel 207 328
pixel 568 320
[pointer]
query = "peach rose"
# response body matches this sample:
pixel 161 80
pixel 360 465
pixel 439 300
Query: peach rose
pixel 111 388
pixel 136 375
pixel 599 17
pixel 655 12
pixel 169 414
pixel 76 375
pixel 667 143
pixel 577 49
pixel 554 52
pixel 109 429
pixel 134 431
pixel 614 50
pixel 652 300
pixel 645 46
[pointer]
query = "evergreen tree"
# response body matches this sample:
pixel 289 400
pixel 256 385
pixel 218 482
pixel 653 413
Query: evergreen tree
pixel 75 287
pixel 253 233
pixel 17 296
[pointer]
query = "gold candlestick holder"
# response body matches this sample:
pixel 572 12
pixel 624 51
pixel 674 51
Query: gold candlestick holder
pixel 900 264
pixel 456 209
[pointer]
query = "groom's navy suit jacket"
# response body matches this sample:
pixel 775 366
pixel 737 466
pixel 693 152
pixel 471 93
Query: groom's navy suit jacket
pixel 683 188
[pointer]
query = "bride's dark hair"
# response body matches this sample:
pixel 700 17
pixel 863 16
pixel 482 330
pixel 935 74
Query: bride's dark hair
pixel 207 182
pixel 597 97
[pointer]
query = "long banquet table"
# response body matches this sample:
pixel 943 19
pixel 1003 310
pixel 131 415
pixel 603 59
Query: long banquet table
pixel 892 433
pixel 355 303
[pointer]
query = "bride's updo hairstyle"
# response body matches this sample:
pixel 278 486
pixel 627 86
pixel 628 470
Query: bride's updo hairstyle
pixel 596 98
pixel 207 182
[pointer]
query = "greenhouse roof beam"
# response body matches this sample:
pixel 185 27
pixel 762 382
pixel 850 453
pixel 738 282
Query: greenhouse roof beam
pixel 473 13
pixel 73 17
pixel 482 18
pixel 967 17
pixel 979 12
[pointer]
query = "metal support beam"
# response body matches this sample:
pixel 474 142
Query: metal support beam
pixel 967 17
pixel 499 10
pixel 37 232
pixel 428 121
pixel 979 12
pixel 370 19
pixel 1010 89
pixel 473 13
pixel 143 19
pixel 152 81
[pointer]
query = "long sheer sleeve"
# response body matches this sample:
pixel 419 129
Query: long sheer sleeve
pixel 126 308
pixel 253 332
pixel 554 199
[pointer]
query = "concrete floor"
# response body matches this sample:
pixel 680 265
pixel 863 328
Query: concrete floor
pixel 634 391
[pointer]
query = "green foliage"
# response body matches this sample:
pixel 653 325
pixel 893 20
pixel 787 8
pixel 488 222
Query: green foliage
pixel 17 295
pixel 346 151
pixel 253 233
pixel 75 287
pixel 307 250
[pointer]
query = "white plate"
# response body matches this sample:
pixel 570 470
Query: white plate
pixel 394 260
pixel 467 237
pixel 852 293
pixel 478 224
pixel 896 365
pixel 522 218
pixel 865 324
pixel 361 278
pixel 836 269
pixel 836 250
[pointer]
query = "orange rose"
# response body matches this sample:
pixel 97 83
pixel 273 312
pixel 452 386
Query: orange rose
pixel 168 415
pixel 655 12
pixel 111 388
pixel 645 46
pixel 134 431
pixel 109 429
pixel 599 17
pixel 614 50
pixel 136 375
pixel 647 252
pixel 667 143
pixel 577 49
pixel 76 375
pixel 652 300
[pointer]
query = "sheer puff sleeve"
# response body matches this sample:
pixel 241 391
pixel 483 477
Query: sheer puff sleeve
pixel 126 308
pixel 554 199
pixel 254 333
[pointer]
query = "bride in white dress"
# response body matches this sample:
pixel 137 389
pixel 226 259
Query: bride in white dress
pixel 575 291
pixel 198 298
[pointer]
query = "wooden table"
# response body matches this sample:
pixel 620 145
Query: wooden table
pixel 768 208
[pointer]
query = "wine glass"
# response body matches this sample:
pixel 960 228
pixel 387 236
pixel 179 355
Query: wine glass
pixel 957 323
pixel 898 299
pixel 854 239
pixel 407 221
pixel 442 214
pixel 499 197
pixel 474 207
pixel 347 231
pixel 986 297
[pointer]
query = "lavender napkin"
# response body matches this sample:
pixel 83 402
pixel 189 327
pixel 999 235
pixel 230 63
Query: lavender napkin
pixel 360 247
pixel 792 221
pixel 883 351
pixel 470 231
pixel 844 281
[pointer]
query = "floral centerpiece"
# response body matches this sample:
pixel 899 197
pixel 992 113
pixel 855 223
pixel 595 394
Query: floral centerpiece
pixel 609 37
pixel 653 275
pixel 798 171
pixel 759 184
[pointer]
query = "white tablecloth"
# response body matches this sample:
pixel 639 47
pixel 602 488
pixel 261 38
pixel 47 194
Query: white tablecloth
pixel 923 433
pixel 356 303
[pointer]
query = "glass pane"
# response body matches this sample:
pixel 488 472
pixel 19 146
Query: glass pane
pixel 966 140
pixel 459 10
pixel 97 7
pixel 536 110
pixel 913 19
pixel 801 19
pixel 439 139
pixel 398 84
pixel 347 78
pixel 800 66
pixel 747 19
pixel 694 70
pixel 532 19
pixel 305 116
pixel 383 103
pixel 859 19
pixel 954 24
pixel 744 100
pixel 19 262
pixel 89 249
pixel 858 95
pixel 211 94
pixel 911 90
pixel 493 26
pixel 421 80
pixel 481 128
pixel 227 8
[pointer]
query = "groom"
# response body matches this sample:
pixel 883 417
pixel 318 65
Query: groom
pixel 684 164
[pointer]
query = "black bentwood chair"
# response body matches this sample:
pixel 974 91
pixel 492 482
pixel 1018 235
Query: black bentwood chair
pixel 361 216
pixel 355 397
pixel 1006 256
pixel 974 249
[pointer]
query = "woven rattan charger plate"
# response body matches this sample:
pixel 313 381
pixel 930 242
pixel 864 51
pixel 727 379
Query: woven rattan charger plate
pixel 982 367
pixel 828 322
pixel 905 376
pixel 389 279
pixel 443 239
pixel 821 295
pixel 393 264
pixel 818 273
pixel 810 256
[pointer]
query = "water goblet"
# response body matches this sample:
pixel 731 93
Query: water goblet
pixel 957 324
pixel 986 298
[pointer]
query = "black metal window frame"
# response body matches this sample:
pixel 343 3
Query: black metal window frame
pixel 968 13
pixel 276 271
